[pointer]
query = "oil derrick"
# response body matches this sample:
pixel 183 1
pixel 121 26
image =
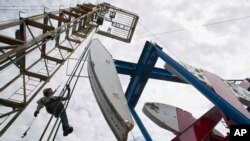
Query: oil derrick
pixel 32 49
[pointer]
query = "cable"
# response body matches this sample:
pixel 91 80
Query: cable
pixel 159 41
pixel 84 58
pixel 13 20
pixel 230 20
pixel 63 91
pixel 30 6
pixel 183 29
pixel 166 32
pixel 25 9
pixel 61 94
pixel 8 12
pixel 25 133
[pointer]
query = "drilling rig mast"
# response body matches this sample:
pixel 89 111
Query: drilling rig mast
pixel 32 49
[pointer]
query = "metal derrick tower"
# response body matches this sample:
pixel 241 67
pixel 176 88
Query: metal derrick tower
pixel 32 49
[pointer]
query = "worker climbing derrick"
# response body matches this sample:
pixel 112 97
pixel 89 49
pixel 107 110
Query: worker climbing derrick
pixel 55 107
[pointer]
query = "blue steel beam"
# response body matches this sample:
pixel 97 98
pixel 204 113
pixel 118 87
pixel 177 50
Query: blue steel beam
pixel 221 103
pixel 140 124
pixel 128 68
pixel 141 74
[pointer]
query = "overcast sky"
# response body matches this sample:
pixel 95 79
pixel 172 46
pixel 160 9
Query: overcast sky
pixel 219 48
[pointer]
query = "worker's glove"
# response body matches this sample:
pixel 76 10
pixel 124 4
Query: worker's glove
pixel 67 87
pixel 36 113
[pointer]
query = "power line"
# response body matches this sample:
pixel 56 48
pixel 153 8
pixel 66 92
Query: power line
pixel 30 6
pixel 230 20
pixel 13 10
pixel 8 12
pixel 160 41
pixel 183 29
pixel 24 9
pixel 9 20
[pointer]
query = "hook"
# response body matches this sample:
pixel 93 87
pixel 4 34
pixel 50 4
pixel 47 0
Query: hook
pixel 20 14
pixel 44 9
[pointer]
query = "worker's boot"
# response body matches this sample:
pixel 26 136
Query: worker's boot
pixel 67 130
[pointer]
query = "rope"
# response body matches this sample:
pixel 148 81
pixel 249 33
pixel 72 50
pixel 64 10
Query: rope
pixel 31 123
pixel 41 137
pixel 57 88
pixel 163 44
pixel 84 58
pixel 61 94
pixel 25 133
pixel 183 29
pixel 64 90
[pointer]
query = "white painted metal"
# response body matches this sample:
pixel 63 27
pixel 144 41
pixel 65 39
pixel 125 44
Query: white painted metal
pixel 166 116
pixel 242 94
pixel 108 90
pixel 197 72
pixel 245 84
pixel 163 115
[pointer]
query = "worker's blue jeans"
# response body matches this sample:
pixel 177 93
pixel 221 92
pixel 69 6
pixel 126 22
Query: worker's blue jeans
pixel 56 108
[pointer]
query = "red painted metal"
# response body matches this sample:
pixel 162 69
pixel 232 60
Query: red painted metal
pixel 185 119
pixel 202 127
pixel 213 137
pixel 224 92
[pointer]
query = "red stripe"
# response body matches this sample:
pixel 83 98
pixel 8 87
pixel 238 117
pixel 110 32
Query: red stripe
pixel 185 119
pixel 224 92
pixel 202 127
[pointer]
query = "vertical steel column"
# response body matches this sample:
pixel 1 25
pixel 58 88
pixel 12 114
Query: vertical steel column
pixel 143 69
pixel 21 35
pixel 138 81
pixel 67 32
pixel 43 51
pixel 140 124
pixel 58 25
pixel 45 22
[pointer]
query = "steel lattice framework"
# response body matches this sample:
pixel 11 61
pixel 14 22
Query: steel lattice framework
pixel 33 49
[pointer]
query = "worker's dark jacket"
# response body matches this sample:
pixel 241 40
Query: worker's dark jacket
pixel 53 105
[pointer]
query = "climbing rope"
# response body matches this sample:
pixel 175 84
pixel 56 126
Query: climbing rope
pixel 31 123
pixel 25 133
pixel 71 92
pixel 84 60
pixel 79 62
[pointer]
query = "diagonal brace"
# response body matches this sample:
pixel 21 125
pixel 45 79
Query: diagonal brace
pixel 143 69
